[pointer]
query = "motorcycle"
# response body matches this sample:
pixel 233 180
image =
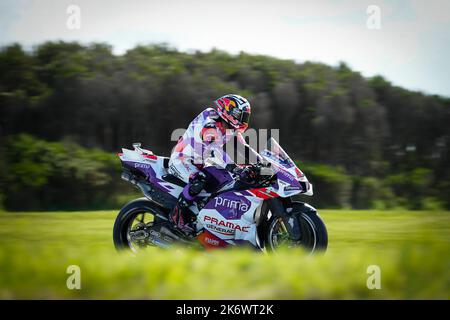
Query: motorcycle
pixel 260 213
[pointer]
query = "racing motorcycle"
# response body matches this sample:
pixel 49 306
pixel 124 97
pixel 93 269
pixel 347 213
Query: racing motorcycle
pixel 260 212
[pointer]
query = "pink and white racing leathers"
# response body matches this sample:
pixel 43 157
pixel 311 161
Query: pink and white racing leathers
pixel 203 139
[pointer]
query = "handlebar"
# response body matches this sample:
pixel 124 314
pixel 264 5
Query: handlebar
pixel 251 175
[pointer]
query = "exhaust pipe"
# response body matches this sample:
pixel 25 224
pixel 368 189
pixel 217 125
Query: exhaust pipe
pixel 127 176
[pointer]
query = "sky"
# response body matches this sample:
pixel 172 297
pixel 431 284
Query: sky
pixel 411 47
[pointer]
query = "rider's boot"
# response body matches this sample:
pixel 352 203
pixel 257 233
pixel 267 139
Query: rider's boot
pixel 183 218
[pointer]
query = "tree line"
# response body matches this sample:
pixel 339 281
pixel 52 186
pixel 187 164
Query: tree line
pixel 66 108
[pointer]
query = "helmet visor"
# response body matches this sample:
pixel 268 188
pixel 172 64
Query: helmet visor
pixel 245 117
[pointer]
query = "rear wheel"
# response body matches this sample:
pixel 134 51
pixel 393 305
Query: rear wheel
pixel 134 225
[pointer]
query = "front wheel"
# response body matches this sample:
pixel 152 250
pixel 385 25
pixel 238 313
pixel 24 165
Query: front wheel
pixel 313 233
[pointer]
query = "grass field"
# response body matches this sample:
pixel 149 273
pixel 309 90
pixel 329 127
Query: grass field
pixel 412 250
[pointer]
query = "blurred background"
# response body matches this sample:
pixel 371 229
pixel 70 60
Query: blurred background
pixel 360 93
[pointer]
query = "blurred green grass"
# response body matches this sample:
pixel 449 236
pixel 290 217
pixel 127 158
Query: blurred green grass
pixel 412 248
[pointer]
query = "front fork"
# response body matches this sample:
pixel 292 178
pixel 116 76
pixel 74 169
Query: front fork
pixel 279 209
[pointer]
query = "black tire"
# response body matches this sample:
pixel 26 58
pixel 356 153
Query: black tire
pixel 126 215
pixel 314 235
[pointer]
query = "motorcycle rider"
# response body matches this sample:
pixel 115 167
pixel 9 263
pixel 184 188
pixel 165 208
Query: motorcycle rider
pixel 205 137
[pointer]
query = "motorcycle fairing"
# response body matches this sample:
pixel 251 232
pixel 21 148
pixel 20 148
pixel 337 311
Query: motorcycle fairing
pixel 152 167
pixel 210 241
pixel 230 216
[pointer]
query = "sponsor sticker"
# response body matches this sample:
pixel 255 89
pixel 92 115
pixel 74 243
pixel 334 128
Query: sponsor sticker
pixel 138 165
pixel 224 227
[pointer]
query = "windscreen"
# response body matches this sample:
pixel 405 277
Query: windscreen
pixel 275 154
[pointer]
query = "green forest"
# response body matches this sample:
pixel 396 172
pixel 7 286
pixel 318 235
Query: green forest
pixel 66 109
